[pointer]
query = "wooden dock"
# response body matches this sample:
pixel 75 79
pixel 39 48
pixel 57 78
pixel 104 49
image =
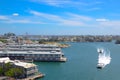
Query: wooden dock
pixel 37 76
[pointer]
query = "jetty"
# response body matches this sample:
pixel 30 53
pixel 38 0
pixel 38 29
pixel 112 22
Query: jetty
pixel 37 76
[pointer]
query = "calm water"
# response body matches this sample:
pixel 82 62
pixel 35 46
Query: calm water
pixel 81 64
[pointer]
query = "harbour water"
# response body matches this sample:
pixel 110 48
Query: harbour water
pixel 81 63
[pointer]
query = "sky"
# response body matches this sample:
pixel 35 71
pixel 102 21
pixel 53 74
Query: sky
pixel 60 17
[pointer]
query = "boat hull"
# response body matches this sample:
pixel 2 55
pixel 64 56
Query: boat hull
pixel 100 65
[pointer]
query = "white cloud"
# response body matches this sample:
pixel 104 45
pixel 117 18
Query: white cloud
pixel 102 20
pixel 15 14
pixel 35 13
pixel 93 9
pixel 3 17
pixel 57 3
pixel 66 19
pixel 71 23
pixel 81 5
pixel 113 23
pixel 70 19
pixel 23 21
pixel 47 16
pixel 79 17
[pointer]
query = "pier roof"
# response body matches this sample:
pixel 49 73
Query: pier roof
pixel 29 52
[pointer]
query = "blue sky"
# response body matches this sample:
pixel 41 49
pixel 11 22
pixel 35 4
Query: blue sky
pixel 60 17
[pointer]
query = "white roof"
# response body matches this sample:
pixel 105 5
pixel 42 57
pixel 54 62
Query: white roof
pixel 5 60
pixel 24 64
pixel 34 45
pixel 29 52
pixel 17 62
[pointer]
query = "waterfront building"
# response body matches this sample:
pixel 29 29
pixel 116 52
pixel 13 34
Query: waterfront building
pixel 29 69
pixel 33 52
pixel 31 47
pixel 32 55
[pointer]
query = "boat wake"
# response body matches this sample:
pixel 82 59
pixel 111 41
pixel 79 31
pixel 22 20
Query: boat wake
pixel 103 58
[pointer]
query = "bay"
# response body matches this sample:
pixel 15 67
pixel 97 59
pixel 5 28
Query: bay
pixel 81 63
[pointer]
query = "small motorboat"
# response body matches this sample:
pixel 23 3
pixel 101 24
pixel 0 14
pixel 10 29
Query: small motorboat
pixel 100 50
pixel 103 58
pixel 100 65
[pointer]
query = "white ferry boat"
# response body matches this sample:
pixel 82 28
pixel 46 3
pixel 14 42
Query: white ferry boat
pixel 103 58
pixel 100 50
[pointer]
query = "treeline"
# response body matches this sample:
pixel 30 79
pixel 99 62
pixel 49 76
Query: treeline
pixel 78 39
pixel 60 38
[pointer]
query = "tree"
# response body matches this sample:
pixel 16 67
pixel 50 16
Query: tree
pixel 7 66
pixel 18 72
pixel 14 72
pixel 3 40
pixel 10 73
pixel 1 70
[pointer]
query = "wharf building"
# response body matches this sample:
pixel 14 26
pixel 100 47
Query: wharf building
pixel 34 52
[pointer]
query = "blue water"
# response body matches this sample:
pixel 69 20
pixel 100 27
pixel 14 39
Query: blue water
pixel 81 63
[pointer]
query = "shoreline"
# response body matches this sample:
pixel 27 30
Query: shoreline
pixel 61 45
pixel 37 76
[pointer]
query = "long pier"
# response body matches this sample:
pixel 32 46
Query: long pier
pixel 37 76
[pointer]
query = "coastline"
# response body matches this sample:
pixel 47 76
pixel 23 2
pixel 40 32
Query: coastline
pixel 37 76
pixel 61 45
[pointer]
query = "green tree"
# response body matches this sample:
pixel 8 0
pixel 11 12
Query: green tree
pixel 3 40
pixel 14 72
pixel 18 72
pixel 10 73
pixel 1 70
pixel 7 66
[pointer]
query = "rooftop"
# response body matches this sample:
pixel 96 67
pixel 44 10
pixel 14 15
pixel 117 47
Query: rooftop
pixel 29 52
pixel 5 60
pixel 23 64
pixel 35 45
pixel 17 62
